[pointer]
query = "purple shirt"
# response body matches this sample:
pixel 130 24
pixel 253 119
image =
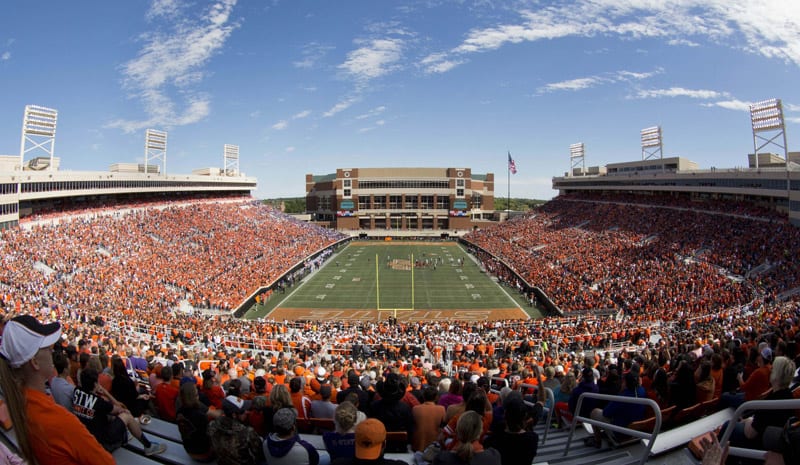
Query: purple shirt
pixel 450 399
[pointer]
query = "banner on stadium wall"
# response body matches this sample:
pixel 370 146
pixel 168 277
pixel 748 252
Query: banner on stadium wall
pixel 344 213
pixel 457 213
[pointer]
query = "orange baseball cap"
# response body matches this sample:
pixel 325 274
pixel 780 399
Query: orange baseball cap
pixel 370 436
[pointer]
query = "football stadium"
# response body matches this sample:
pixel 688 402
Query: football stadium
pixel 666 293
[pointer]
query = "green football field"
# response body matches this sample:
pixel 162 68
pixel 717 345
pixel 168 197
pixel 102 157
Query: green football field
pixel 378 277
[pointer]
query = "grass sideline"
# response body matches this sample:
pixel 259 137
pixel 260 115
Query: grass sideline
pixel 347 282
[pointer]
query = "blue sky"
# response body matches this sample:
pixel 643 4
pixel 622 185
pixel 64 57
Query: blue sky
pixel 311 86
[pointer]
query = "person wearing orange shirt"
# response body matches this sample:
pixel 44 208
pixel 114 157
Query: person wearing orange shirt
pixel 166 396
pixel 301 402
pixel 428 420
pixel 755 385
pixel 211 389
pixel 46 433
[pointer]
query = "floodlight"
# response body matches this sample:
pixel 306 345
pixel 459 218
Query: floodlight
pixel 156 140
pixel 577 158
pixel 155 148
pixel 651 137
pixel 230 159
pixel 38 132
pixel 231 151
pixel 767 116
pixel 652 143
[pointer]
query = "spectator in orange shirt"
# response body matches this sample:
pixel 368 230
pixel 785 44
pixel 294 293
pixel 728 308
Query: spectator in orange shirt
pixel 166 396
pixel 301 402
pixel 46 433
pixel 755 385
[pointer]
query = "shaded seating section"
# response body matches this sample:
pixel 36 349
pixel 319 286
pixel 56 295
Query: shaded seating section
pixel 322 425
pixel 746 408
pixel 122 456
pixel 687 415
pixel 649 423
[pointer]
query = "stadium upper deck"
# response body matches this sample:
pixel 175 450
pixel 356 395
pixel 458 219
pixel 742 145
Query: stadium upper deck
pixel 772 185
pixel 32 185
pixel 26 193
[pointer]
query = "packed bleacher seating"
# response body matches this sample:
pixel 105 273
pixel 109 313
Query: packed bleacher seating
pixel 693 314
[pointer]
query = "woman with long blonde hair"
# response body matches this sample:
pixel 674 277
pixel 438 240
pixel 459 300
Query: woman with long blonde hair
pixel 468 449
pixel 279 398
pixel 46 432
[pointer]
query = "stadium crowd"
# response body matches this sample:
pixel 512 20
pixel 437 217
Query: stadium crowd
pixel 698 290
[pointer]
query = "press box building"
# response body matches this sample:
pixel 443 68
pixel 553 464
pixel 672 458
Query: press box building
pixel 405 199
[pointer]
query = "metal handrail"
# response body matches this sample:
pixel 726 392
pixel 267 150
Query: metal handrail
pixel 620 429
pixel 499 378
pixel 549 410
pixel 758 454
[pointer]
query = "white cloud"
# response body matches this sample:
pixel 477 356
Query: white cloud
pixel 438 63
pixel 283 124
pixel 628 75
pixel 770 28
pixel 594 81
pixel 790 107
pixel 312 53
pixel 290 149
pixel 341 106
pixel 681 92
pixel 684 42
pixel 737 105
pixel 572 84
pixel 793 119
pixel 373 60
pixel 378 124
pixel 171 63
pixel 5 56
pixel 374 112
pixel 255 114
pixel 163 8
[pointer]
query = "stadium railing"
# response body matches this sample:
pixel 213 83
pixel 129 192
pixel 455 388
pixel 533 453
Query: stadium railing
pixel 747 408
pixel 650 437
pixel 549 406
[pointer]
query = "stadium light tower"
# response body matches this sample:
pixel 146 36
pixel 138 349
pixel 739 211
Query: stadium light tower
pixel 767 117
pixel 652 143
pixel 155 148
pixel 38 132
pixel 230 160
pixel 577 158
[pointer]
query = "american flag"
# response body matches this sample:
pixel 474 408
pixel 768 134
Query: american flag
pixel 511 165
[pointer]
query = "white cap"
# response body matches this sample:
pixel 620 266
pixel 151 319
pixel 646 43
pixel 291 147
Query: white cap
pixel 321 372
pixel 23 336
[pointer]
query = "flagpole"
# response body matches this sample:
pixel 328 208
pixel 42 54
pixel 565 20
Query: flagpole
pixel 508 193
